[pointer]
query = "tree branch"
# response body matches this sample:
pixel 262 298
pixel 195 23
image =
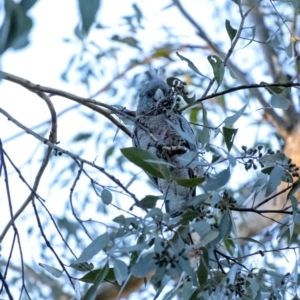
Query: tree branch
pixel 94 105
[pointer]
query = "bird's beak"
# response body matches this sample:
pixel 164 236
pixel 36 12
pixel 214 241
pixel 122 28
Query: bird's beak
pixel 159 95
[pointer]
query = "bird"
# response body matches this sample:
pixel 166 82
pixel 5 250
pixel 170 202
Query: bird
pixel 163 131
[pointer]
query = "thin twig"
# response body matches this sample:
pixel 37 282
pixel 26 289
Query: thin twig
pixel 71 199
pixel 48 244
pixel 12 220
pixel 241 76
pixel 36 88
pixel 242 87
pixel 53 139
pixel 63 151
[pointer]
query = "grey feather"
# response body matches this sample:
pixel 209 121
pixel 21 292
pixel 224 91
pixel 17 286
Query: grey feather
pixel 158 128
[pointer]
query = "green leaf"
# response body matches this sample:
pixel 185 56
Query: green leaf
pixel 259 184
pixel 120 220
pixel 189 100
pixel 53 271
pixel 198 200
pixel 88 11
pixel 229 135
pixel 253 34
pixel 289 49
pixel 120 271
pixel 204 134
pixel 203 269
pixel 144 266
pixel 201 227
pixel 286 177
pixel 217 181
pixel 231 31
pixel 229 121
pixel 15 27
pixel 277 101
pixel 100 277
pixel 274 180
pixel 108 153
pixel 209 237
pixel 294 189
pixel 162 52
pixel 173 81
pixel 106 196
pixel 296 4
pixel 186 267
pixel 191 182
pixel 27 4
pixel 130 41
pixel 225 225
pixel 188 290
pixel 139 156
pixel 273 89
pixel 93 248
pixel 270 160
pixel 149 201
pixel 83 267
pixel 138 12
pixel 218 68
pixel 82 136
pixel 190 64
pixel 90 276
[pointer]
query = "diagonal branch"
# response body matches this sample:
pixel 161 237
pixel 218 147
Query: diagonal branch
pixel 94 105
pixel 70 154
pixel 241 76
pixel 52 138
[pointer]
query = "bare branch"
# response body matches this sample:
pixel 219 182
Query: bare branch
pixel 94 105
pixel 63 151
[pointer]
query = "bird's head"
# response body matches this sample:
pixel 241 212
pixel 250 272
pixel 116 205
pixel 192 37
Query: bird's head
pixel 154 91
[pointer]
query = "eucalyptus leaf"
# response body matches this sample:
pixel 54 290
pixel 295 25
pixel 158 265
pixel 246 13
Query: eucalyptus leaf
pixel 230 30
pixel 273 89
pixel 53 271
pixel 120 271
pixel 209 237
pixel 190 64
pixel 188 290
pixel 149 201
pixel 100 277
pixel 278 101
pixel 144 266
pixel 218 67
pixel 83 267
pixel 294 189
pixel 139 156
pixel 88 13
pixel 274 180
pixel 270 160
pixel 106 197
pixel 201 227
pixel 229 121
pixel 93 248
pixel 191 182
pixel 217 181
pixel 203 269
pixel 204 133
pixel 229 135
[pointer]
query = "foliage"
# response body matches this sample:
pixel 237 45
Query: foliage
pixel 203 253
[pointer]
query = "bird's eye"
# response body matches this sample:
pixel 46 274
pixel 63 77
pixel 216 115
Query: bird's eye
pixel 149 95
